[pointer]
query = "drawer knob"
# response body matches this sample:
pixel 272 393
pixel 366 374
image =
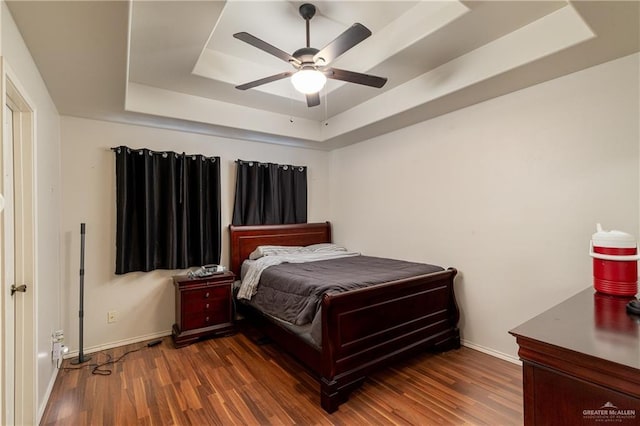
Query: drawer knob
pixel 206 295
pixel 206 306
pixel 206 319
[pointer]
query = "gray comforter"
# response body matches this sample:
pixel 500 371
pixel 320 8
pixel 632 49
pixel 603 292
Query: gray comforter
pixel 293 291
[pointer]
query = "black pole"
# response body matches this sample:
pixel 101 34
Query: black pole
pixel 81 358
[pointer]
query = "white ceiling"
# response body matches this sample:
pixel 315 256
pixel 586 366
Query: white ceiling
pixel 174 64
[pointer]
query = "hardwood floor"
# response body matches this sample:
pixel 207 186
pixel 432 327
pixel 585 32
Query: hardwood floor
pixel 231 380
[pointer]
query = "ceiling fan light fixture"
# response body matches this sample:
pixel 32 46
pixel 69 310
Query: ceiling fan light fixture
pixel 306 78
pixel 308 81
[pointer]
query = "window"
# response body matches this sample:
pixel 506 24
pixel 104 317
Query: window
pixel 268 194
pixel 168 210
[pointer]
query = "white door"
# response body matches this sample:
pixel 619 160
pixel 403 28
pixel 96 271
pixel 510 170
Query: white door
pixel 18 260
pixel 8 276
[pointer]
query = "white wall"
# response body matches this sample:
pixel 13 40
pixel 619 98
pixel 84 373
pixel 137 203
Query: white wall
pixel 47 200
pixel 144 301
pixel 508 191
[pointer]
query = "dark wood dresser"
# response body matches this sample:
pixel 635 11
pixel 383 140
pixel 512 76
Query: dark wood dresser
pixel 204 307
pixel 581 363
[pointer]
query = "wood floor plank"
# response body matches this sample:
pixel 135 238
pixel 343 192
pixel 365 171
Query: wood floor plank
pixel 231 380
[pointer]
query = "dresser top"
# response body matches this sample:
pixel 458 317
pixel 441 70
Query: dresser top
pixel 589 323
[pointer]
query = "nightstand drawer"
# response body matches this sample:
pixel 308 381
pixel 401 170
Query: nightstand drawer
pixel 205 319
pixel 205 298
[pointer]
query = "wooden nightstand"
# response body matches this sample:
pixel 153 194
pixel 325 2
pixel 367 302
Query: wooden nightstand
pixel 203 307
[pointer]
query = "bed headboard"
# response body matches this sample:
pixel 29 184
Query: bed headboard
pixel 244 239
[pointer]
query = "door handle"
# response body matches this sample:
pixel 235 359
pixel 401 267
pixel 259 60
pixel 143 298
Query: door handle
pixel 21 288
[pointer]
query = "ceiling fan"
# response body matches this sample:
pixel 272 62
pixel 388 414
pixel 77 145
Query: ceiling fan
pixel 312 65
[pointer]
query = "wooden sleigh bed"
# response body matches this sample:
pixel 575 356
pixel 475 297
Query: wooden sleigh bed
pixel 362 330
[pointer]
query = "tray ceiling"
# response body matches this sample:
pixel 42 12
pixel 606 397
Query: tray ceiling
pixel 174 64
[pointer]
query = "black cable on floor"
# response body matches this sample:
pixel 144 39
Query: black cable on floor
pixel 97 368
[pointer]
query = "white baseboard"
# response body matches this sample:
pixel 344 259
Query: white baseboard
pixel 118 343
pixel 47 394
pixel 157 335
pixel 491 352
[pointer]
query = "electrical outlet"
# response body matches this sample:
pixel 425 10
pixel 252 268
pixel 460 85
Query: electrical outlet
pixel 58 351
pixel 112 316
pixel 56 354
pixel 57 339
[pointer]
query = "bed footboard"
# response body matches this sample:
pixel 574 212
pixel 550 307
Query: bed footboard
pixel 370 327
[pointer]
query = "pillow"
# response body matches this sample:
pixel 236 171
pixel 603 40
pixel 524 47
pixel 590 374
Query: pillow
pixel 324 247
pixel 261 251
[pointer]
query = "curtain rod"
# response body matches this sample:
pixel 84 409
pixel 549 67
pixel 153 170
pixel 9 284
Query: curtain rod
pixel 238 161
pixel 152 152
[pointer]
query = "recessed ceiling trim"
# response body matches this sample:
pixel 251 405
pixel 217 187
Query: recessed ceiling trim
pixel 85 66
pixel 230 69
pixel 415 24
pixel 550 34
pixel 167 103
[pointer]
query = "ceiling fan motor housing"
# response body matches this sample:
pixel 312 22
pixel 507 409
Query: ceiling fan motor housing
pixel 307 11
pixel 305 56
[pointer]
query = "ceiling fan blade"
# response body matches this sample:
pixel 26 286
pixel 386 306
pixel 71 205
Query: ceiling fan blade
pixel 266 47
pixel 355 77
pixel 345 41
pixel 313 99
pixel 265 80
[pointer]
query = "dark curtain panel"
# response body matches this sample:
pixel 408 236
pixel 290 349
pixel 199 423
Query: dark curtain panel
pixel 167 210
pixel 269 194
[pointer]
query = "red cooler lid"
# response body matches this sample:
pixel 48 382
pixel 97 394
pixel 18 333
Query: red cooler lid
pixel 612 238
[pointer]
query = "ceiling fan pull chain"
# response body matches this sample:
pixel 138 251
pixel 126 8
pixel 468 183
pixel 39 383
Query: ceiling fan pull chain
pixel 326 116
pixel 291 108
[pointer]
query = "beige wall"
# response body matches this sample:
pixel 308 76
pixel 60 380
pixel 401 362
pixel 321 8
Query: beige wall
pixel 47 201
pixel 144 301
pixel 508 191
